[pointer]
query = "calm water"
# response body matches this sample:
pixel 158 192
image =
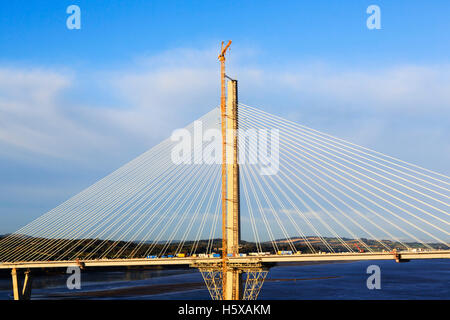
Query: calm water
pixel 413 280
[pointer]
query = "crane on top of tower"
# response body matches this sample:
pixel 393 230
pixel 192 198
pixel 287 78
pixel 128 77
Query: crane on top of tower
pixel 224 50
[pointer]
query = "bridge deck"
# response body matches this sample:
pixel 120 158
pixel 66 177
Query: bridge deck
pixel 404 255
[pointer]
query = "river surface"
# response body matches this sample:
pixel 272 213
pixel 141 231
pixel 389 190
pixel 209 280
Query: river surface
pixel 419 279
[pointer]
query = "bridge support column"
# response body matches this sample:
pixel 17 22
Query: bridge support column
pixel 15 284
pixel 25 292
pixel 234 284
pixel 27 283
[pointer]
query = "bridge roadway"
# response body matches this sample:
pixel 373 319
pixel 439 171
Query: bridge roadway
pixel 268 259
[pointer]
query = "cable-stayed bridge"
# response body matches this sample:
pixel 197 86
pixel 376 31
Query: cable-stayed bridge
pixel 232 194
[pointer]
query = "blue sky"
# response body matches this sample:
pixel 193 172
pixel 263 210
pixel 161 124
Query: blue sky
pixel 113 32
pixel 76 104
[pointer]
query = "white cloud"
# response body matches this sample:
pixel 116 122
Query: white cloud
pixel 33 114
pixel 412 89
pixel 40 114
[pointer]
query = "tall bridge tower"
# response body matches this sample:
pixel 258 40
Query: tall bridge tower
pixel 233 277
pixel 225 281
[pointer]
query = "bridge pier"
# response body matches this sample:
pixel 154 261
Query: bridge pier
pixel 234 284
pixel 398 258
pixel 255 274
pixel 15 283
pixel 25 292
